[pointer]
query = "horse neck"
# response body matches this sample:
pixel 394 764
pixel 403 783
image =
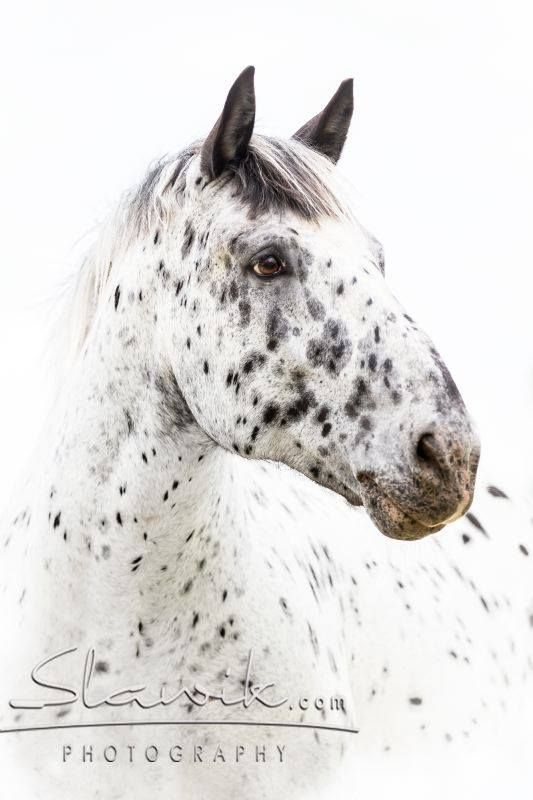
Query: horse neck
pixel 133 486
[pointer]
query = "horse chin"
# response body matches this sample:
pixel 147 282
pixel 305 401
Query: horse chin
pixel 389 517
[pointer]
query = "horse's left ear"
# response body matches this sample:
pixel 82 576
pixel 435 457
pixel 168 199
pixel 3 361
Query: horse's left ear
pixel 228 141
pixel 328 130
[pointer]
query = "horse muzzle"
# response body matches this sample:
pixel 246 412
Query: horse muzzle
pixel 435 488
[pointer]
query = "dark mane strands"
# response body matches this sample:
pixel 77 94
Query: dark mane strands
pixel 144 200
pixel 275 175
pixel 277 178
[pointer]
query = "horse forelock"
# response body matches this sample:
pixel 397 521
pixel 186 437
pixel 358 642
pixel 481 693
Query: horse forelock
pixel 276 175
pixel 283 174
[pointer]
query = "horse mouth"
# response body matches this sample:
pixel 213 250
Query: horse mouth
pixel 389 517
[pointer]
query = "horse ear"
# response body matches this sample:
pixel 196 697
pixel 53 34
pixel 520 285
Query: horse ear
pixel 328 130
pixel 228 141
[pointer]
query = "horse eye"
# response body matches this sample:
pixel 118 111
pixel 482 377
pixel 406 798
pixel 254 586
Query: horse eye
pixel 268 266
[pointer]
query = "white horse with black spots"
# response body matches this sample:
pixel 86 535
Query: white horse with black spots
pixel 169 561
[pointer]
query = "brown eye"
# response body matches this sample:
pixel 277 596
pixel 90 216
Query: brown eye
pixel 268 266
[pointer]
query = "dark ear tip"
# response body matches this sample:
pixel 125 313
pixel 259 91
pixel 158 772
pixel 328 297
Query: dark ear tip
pixel 346 87
pixel 247 74
pixel 244 83
pixel 327 131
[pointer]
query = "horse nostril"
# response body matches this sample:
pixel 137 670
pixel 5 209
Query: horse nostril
pixel 429 452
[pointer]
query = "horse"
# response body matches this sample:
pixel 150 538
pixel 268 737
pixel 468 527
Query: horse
pixel 222 576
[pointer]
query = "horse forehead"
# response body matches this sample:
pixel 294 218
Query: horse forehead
pixel 343 244
pixel 341 241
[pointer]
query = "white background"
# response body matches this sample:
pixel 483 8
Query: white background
pixel 440 153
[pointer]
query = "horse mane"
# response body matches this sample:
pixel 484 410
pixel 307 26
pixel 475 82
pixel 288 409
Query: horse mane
pixel 276 175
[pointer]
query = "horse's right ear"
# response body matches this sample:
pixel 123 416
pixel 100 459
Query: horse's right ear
pixel 327 132
pixel 228 141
